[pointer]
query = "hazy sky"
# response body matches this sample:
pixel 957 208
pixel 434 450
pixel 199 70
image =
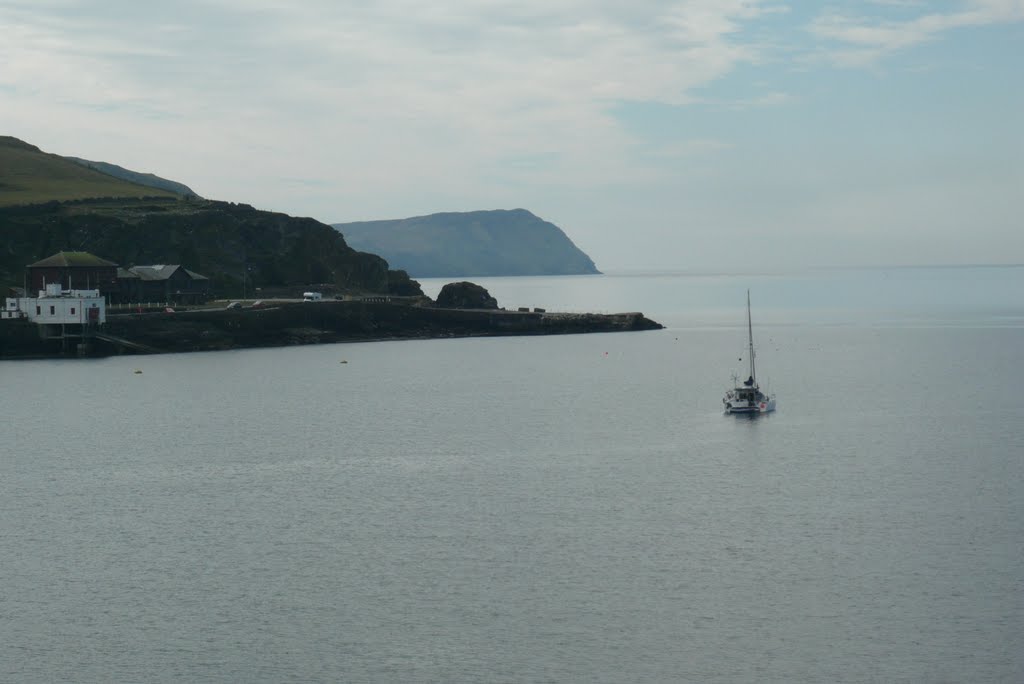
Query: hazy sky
pixel 671 134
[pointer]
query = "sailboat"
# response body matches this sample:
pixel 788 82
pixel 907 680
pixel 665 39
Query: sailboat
pixel 748 397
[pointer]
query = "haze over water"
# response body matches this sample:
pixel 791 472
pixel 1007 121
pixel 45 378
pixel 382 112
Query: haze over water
pixel 539 509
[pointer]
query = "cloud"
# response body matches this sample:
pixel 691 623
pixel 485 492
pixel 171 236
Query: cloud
pixel 868 40
pixel 491 77
pixel 348 111
pixel 691 148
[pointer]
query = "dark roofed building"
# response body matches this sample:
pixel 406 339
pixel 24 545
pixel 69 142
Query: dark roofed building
pixel 74 271
pixel 163 283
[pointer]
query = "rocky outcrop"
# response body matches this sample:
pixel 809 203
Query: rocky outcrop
pixel 465 295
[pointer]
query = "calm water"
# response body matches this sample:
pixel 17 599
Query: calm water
pixel 539 509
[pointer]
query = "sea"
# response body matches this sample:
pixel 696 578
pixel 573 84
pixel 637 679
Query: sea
pixel 539 509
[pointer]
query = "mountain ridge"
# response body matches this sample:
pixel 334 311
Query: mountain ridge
pixel 495 242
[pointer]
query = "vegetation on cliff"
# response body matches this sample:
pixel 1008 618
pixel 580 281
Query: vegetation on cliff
pixel 477 243
pixel 223 241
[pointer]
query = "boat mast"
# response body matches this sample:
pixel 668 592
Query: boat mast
pixel 750 334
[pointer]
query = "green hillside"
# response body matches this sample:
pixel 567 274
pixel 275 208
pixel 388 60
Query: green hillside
pixel 30 176
pixel 147 179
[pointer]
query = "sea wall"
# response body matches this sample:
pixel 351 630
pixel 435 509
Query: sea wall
pixel 21 339
pixel 306 323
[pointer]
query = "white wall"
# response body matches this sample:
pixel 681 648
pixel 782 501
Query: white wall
pixel 71 309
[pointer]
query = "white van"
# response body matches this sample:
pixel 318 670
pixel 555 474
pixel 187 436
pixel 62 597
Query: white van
pixel 312 296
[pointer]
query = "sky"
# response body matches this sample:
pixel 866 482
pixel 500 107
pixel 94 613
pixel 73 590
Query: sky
pixel 658 134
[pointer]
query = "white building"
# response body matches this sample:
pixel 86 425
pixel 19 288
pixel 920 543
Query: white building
pixel 55 306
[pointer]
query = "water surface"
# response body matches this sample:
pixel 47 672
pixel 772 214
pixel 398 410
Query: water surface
pixel 533 509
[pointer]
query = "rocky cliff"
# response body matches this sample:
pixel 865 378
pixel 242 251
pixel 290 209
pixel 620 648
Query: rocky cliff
pixel 223 241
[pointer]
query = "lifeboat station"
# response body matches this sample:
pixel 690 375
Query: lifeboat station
pixel 67 315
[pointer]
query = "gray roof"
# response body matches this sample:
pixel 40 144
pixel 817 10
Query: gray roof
pixel 72 260
pixel 162 272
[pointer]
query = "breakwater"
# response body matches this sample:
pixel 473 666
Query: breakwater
pixel 319 323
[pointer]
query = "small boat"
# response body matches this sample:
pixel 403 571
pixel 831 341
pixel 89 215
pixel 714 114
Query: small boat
pixel 748 397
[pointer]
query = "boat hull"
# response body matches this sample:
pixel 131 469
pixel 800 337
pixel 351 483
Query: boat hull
pixel 766 405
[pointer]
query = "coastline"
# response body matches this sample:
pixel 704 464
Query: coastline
pixel 301 323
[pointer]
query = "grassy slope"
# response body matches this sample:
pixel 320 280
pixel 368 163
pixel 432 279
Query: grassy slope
pixel 29 176
pixel 147 179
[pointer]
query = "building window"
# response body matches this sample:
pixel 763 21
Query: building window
pixel 39 310
pixel 53 311
pixel 72 311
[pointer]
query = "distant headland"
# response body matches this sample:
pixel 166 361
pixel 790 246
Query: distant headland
pixel 477 243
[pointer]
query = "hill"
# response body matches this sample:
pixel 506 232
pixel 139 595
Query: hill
pixel 50 204
pixel 147 179
pixel 478 243
pixel 29 175
pixel 223 241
